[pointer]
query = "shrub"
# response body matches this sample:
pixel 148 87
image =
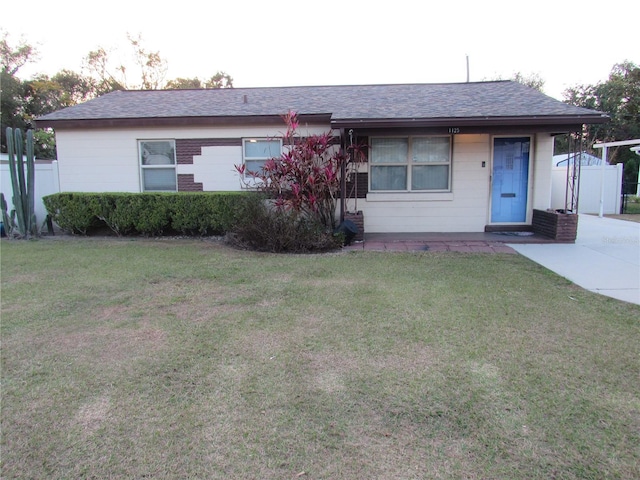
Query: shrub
pixel 146 213
pixel 111 208
pixel 205 214
pixel 262 227
pixel 73 212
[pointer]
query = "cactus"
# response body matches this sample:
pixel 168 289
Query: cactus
pixel 23 186
pixel 7 221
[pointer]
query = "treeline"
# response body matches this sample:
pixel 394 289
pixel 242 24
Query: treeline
pixel 26 99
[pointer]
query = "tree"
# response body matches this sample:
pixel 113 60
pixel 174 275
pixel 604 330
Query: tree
pixel 533 80
pixel 111 74
pixel 184 84
pixel 12 98
pixel 14 58
pixel 219 80
pixel 97 63
pixel 42 95
pixel 74 88
pixel 619 97
pixel 153 68
pixel 24 100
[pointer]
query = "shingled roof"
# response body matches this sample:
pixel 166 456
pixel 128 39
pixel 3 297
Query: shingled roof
pixel 495 102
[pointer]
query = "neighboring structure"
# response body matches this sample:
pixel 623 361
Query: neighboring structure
pixel 585 159
pixel 604 146
pixel 463 157
pixel 590 188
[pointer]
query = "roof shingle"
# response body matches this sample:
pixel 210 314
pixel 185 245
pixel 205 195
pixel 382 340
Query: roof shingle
pixel 392 102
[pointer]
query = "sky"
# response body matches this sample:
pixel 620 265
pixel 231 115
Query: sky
pixel 283 43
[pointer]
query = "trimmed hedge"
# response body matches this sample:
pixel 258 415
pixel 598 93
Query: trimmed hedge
pixel 188 213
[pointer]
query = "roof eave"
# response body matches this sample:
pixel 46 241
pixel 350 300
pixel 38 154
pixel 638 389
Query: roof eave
pixel 546 120
pixel 91 123
pixel 558 121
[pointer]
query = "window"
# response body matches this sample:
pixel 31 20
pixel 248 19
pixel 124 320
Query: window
pixel 256 151
pixel 411 164
pixel 158 165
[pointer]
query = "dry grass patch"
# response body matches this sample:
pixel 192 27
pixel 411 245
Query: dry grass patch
pixel 93 414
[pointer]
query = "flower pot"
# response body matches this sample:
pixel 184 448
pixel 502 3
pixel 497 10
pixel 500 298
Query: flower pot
pixel 358 219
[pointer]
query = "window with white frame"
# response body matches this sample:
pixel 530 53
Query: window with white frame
pixel 256 151
pixel 414 164
pixel 158 165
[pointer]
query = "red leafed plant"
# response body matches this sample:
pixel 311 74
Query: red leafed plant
pixel 306 176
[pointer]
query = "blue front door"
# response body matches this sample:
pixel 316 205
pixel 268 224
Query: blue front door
pixel 510 179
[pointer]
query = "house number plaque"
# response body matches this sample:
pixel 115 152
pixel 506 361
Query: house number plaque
pixel 454 130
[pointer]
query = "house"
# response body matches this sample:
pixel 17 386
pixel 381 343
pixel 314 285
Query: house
pixel 460 157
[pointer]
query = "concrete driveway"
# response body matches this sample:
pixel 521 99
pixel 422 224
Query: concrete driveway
pixel 605 258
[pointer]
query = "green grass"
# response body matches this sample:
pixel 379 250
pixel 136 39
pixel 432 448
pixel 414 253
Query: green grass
pixel 185 359
pixel 632 206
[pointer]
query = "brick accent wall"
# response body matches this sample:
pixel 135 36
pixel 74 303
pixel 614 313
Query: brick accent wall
pixel 363 185
pixel 562 227
pixel 187 148
pixel 186 183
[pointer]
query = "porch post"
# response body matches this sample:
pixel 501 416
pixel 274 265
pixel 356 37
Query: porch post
pixel 343 176
pixel 602 163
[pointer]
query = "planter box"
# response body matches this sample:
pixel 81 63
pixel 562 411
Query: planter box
pixel 358 219
pixel 561 227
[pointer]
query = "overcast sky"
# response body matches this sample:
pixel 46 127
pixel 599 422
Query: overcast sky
pixel 327 42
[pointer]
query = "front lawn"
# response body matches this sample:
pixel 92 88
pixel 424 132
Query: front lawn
pixel 133 358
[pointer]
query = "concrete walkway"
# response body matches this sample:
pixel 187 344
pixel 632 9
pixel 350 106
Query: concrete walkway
pixel 605 258
pixel 445 242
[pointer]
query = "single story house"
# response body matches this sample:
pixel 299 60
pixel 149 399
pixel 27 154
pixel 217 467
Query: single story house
pixel 458 157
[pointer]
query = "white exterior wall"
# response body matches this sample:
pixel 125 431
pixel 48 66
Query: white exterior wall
pixel 464 209
pixel 540 174
pixel 98 160
pixel 106 160
pixel 467 207
pixel 215 168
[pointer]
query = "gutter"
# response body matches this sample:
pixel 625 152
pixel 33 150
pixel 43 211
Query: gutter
pixel 132 122
pixel 325 118
pixel 453 122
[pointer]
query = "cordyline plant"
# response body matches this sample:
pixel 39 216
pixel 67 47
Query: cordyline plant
pixel 305 178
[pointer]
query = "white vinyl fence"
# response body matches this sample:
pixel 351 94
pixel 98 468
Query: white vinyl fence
pixel 590 188
pixel 46 183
